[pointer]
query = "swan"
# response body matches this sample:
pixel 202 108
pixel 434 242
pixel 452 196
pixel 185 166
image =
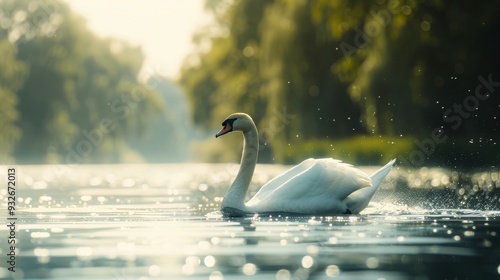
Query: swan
pixel 323 186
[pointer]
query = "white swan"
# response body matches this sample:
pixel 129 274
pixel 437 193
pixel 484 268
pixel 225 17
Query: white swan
pixel 314 187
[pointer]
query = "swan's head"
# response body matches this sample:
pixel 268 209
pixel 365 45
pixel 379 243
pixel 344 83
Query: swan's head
pixel 236 122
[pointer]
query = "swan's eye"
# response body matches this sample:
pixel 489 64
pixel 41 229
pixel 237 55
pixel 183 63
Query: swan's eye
pixel 227 127
pixel 228 121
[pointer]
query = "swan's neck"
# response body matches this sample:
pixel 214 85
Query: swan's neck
pixel 235 196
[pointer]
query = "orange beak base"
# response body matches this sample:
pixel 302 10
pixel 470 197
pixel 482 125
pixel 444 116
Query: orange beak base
pixel 226 129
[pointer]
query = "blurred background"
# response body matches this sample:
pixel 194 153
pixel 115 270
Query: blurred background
pixel 151 81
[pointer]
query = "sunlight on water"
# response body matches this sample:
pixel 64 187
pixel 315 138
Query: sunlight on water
pixel 162 222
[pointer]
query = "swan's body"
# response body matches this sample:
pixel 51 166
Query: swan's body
pixel 314 187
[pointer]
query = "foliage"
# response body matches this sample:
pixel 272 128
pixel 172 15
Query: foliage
pixel 225 75
pixel 348 70
pixel 80 97
pixel 11 79
pixel 369 150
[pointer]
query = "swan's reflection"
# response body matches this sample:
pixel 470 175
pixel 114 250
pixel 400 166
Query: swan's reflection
pixel 249 243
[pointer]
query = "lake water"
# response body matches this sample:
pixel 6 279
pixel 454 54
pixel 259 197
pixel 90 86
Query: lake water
pixel 161 222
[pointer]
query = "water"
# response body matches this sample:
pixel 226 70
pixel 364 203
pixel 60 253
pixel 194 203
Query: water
pixel 161 222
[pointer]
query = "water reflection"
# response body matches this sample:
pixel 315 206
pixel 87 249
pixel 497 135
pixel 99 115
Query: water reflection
pixel 161 221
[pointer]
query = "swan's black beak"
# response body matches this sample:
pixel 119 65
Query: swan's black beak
pixel 226 129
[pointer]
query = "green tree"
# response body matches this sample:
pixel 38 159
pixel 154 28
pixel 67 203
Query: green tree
pixel 81 98
pixel 259 63
pixel 362 69
pixel 296 61
pixel 225 78
pixel 11 79
pixel 396 54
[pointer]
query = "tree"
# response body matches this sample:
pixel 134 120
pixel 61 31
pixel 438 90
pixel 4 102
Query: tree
pixel 11 79
pixel 81 98
pixel 364 69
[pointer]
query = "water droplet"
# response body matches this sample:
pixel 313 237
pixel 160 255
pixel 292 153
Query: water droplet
pixel 209 261
pixel 372 262
pixel 187 269
pixel 193 261
pixel 83 251
pixel 40 252
pixel 42 255
pixel 215 240
pixel 332 270
pixel 86 198
pixel 40 234
pixel 128 183
pixel 202 187
pixel 307 261
pixel 216 275
pixel 283 274
pixel 249 269
pixel 312 249
pixel 154 270
pixel 44 198
pixel 469 233
pixel 248 51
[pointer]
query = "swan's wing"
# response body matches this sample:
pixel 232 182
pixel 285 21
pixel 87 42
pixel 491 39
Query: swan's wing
pixel 284 177
pixel 320 188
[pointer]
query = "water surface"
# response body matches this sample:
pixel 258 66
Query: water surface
pixel 161 222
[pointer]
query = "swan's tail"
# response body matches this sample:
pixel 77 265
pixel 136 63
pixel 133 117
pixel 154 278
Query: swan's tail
pixel 359 199
pixel 380 174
